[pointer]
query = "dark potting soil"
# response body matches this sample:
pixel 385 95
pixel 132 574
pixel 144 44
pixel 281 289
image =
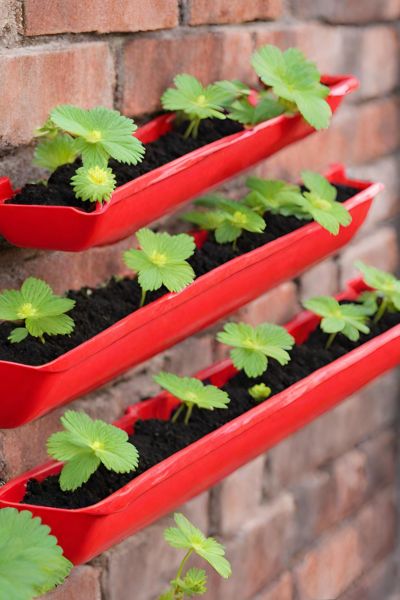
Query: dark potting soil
pixel 172 145
pixel 156 440
pixel 97 309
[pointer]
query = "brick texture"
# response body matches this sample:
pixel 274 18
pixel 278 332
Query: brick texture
pixel 316 517
pixel 42 17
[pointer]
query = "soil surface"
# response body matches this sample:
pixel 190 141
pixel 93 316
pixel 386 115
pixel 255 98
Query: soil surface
pixel 156 440
pixel 172 145
pixel 97 309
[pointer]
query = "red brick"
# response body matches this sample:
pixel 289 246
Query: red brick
pixel 378 249
pixel 150 64
pixel 280 590
pixel 381 459
pixel 232 11
pixel 277 306
pixel 323 279
pixel 376 584
pixel 327 570
pixel 376 525
pixel 351 11
pixel 9 16
pixel 35 79
pixel 82 584
pixel 42 17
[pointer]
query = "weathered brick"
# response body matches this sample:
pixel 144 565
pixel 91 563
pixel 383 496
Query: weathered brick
pixel 323 279
pixel 378 249
pixel 329 568
pixel 42 17
pixel 277 306
pixel 280 590
pixel 232 11
pixel 82 584
pixel 376 525
pixel 377 583
pixel 346 11
pixel 380 452
pixel 240 495
pixel 35 79
pixel 332 434
pixel 9 16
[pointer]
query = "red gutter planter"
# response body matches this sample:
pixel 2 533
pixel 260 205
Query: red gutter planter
pixel 31 391
pixel 86 532
pixel 154 194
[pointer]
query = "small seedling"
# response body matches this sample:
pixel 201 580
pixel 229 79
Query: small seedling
pixel 227 218
pixel 85 445
pixel 95 184
pixel 386 291
pixel 252 346
pixel 295 81
pixel 347 319
pixel 192 392
pixel 194 102
pixel 39 308
pixel 31 562
pixel 249 114
pixel 100 133
pixel 55 152
pixel 187 537
pixel 161 260
pixel 275 196
pixel 232 90
pixel 319 203
pixel 260 392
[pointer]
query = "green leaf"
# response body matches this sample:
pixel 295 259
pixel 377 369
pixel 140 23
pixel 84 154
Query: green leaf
pixel 194 101
pixel 295 80
pixel 162 260
pixel 188 537
pixel 232 90
pixel 101 133
pixel 85 444
pixel 347 319
pixel 31 562
pixel 53 153
pixel 386 288
pixel 193 392
pixel 252 346
pixel 248 114
pixel 42 311
pixel 194 583
pixel 260 392
pixel 275 196
pixel 319 185
pixel 95 183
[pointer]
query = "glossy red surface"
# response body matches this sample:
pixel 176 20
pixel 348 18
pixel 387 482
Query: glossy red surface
pixel 86 532
pixel 150 196
pixel 29 392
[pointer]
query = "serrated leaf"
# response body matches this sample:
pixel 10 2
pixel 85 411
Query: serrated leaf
pixel 53 153
pixel 275 196
pixel 94 183
pixel 161 260
pixel 187 536
pixel 31 562
pixel 101 133
pixel 85 444
pixel 39 308
pixel 252 346
pixel 386 288
pixel 296 80
pixel 246 113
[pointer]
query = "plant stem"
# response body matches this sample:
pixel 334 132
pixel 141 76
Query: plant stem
pixel 188 413
pixel 184 561
pixel 177 413
pixel 142 298
pixel 330 340
pixel 234 245
pixel 381 311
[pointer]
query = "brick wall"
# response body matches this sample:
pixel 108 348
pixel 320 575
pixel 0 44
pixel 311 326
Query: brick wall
pixel 315 518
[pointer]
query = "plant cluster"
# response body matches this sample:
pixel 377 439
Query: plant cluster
pixel 94 135
pixel 351 319
pixel 31 562
pixel 228 219
pixel 292 84
pixel 193 582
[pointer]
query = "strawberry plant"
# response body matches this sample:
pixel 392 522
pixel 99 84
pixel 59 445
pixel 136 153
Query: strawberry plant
pixel 31 562
pixel 185 536
pixel 227 218
pixel 260 392
pixel 93 183
pixel 194 102
pixel 252 346
pixel 347 319
pixel 249 114
pixel 40 310
pixel 85 445
pixel 55 152
pixel 386 293
pixel 161 260
pixel 275 196
pixel 296 83
pixel 192 392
